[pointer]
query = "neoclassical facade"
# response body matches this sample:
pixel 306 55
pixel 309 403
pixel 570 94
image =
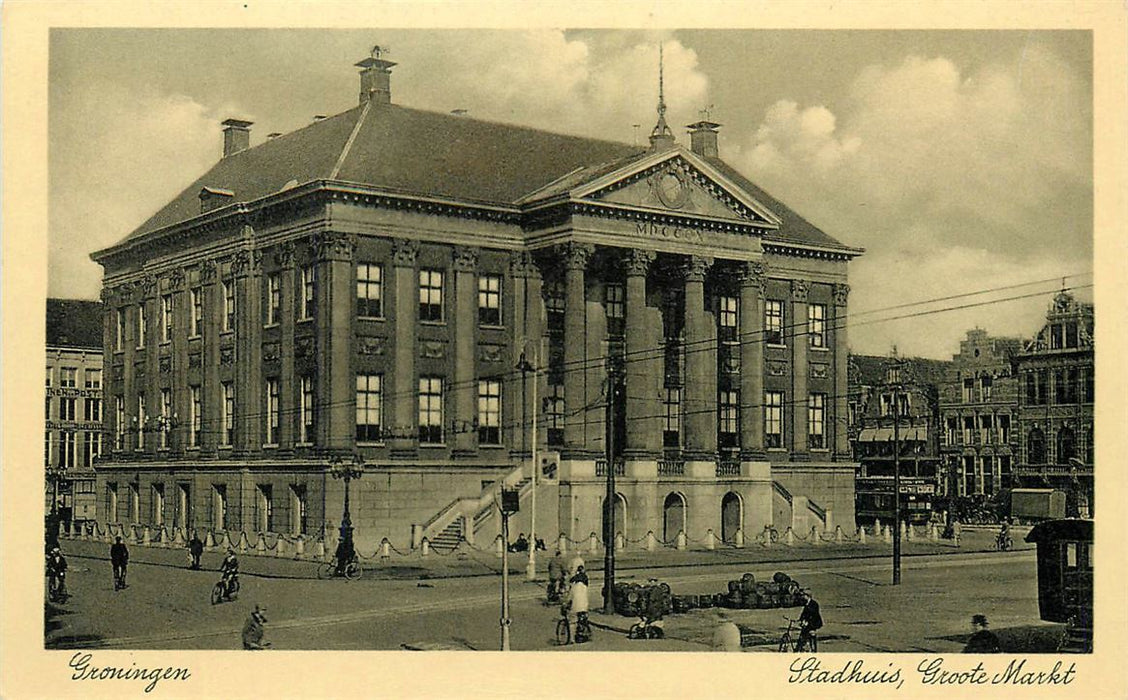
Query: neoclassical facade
pixel 368 286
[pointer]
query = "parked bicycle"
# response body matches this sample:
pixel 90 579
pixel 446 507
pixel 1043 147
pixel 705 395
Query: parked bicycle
pixel 789 643
pixel 564 628
pixel 329 569
pixel 226 589
pixel 647 628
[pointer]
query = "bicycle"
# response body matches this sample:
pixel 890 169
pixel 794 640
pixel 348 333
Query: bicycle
pixel 57 590
pixel 647 628
pixel 328 569
pixel 226 589
pixel 564 628
pixel 788 644
pixel 1003 543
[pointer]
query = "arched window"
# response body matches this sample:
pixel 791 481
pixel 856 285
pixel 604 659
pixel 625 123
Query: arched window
pixel 673 517
pixel 1066 445
pixel 1036 447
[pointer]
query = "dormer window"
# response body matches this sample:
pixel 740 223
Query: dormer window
pixel 214 198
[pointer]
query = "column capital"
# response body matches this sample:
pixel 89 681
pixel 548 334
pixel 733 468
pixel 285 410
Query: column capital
pixel 523 264
pixel 208 270
pixel 333 245
pixel 576 255
pixel 148 286
pixel 841 293
pixel 638 262
pixel 404 252
pixel 695 267
pixel 465 259
pixel 176 279
pixel 799 290
pixel 754 274
pixel 111 296
pixel 245 262
pixel 284 255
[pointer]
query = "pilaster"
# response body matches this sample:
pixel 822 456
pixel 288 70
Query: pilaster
pixel 800 346
pixel 289 386
pixel 465 322
pixel 403 385
pixel 336 306
pixel 249 433
pixel 841 363
pixel 212 391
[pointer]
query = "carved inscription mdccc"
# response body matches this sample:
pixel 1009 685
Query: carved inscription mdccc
pixel 671 232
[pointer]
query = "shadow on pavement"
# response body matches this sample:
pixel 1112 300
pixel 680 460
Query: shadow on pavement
pixel 1024 639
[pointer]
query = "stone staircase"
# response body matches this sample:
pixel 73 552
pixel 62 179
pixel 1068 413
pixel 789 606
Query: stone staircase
pixel 483 517
pixel 448 526
pixel 448 539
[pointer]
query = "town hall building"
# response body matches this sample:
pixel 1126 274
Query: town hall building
pixel 392 287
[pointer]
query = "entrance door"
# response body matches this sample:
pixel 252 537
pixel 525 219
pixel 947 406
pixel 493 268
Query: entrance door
pixel 731 516
pixel 673 517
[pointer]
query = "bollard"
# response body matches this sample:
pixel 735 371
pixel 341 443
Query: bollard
pixel 146 538
pixel 385 549
pixel 499 547
pixel 789 537
pixel 321 549
pixel 681 540
pixel 243 544
pixel 902 525
pixel 887 534
pixel 209 540
pixel 710 544
pixel 620 542
pixel 260 546
pixel 861 534
pixel 767 535
pixel 932 532
pixel 651 541
pixel 280 547
pixel 593 543
pixel 425 546
pixel 562 543
pixel 838 534
pixel 738 539
pixel 909 534
pixel 299 546
pixel 815 538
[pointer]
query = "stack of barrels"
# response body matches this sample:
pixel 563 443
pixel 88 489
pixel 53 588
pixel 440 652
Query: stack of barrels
pixel 651 600
pixel 749 594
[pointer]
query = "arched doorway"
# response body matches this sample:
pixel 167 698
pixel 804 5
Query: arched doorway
pixel 732 516
pixel 673 517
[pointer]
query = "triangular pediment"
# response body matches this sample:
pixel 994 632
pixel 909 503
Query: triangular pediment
pixel 677 182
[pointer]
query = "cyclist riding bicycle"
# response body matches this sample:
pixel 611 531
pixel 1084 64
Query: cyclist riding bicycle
pixel 578 603
pixel 56 570
pixel 345 554
pixel 556 577
pixel 1003 541
pixel 810 620
pixel 229 567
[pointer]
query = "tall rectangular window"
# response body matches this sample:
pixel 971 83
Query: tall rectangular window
pixel 142 419
pixel 554 305
pixel 67 408
pixel 119 422
pixel 985 388
pixel 166 318
pixel 111 502
pixel 816 421
pixel 728 308
pixel 430 410
pixel 369 407
pixel 272 411
pixel 309 293
pixel 1003 425
pixel 141 325
pixel 489 412
pixel 431 296
pixel 183 505
pixel 614 303
pixel 49 370
pixel 816 325
pixel 773 322
pixel 298 509
pixel 219 506
pixel 227 415
pixel 369 290
pixel 265 508
pixel 92 446
pixel 489 300
pixel 306 417
pixel 197 299
pixel 119 332
pixel 93 410
pixel 67 449
pixel 229 305
pixel 773 419
pixel 93 378
pixel 68 377
pixel 134 503
pixel 671 431
pixel 158 504
pixel 728 419
pixel 273 310
pixel 554 414
pixel 166 417
pixel 195 413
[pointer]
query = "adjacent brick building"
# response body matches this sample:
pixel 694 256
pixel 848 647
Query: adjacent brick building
pixel 366 286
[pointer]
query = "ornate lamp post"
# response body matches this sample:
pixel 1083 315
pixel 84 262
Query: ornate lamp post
pixel 347 470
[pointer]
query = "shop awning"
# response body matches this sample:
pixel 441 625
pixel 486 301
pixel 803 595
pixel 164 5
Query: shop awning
pixel 908 434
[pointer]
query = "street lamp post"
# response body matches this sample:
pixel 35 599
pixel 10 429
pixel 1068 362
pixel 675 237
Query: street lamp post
pixel 525 366
pixel 340 469
pixel 609 498
pixel 893 378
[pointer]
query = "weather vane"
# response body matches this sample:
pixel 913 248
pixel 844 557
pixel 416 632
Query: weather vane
pixel 378 51
pixel 705 112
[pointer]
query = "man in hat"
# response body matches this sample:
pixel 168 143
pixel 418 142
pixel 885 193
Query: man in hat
pixel 119 558
pixel 982 640
pixel 254 629
pixel 810 621
pixel 195 550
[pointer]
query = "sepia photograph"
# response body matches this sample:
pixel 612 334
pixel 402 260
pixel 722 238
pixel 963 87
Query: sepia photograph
pixel 571 339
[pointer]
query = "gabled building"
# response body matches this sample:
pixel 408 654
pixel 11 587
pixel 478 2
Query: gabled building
pixel 1055 374
pixel 365 288
pixel 73 408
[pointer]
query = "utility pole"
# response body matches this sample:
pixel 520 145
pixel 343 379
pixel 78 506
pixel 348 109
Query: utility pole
pixel 893 377
pixel 609 499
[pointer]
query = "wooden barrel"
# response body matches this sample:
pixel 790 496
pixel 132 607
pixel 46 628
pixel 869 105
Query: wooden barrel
pixel 780 577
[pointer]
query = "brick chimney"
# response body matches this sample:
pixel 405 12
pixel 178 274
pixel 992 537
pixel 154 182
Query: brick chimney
pixel 703 138
pixel 236 136
pixel 375 80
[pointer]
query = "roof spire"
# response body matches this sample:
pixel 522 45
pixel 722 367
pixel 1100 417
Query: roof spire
pixel 661 136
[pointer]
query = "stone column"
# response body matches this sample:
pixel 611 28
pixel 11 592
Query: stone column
pixel 336 386
pixel 465 323
pixel 249 433
pixel 181 397
pixel 576 256
pixel 644 436
pixel 841 363
pixel 800 345
pixel 289 386
pixel 211 393
pixel 112 386
pixel 752 288
pixel 404 384
pixel 701 366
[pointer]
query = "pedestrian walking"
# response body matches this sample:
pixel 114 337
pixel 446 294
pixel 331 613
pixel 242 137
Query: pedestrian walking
pixel 956 531
pixel 119 558
pixel 982 640
pixel 255 629
pixel 195 550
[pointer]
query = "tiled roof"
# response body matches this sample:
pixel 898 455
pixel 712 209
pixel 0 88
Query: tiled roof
pixel 440 155
pixel 869 370
pixel 74 323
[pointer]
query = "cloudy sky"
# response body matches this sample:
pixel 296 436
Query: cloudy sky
pixel 961 160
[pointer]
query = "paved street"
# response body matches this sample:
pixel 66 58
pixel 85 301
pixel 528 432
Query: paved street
pixel 167 607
